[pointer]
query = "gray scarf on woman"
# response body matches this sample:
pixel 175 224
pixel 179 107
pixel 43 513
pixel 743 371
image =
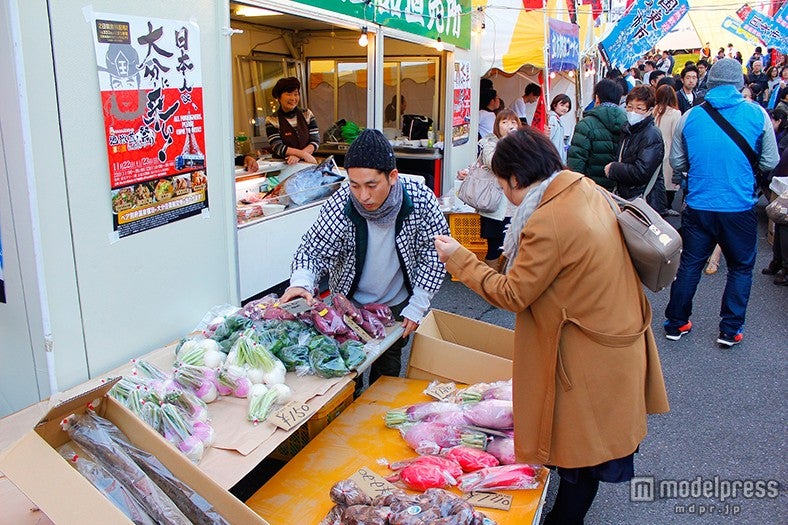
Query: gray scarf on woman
pixel 387 213
pixel 511 240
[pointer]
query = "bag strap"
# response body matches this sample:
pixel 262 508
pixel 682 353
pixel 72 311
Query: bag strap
pixel 735 136
pixel 651 182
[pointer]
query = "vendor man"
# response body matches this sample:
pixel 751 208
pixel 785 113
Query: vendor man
pixel 375 239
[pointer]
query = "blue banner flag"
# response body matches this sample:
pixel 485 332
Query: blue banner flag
pixel 734 26
pixel 640 29
pixel 564 45
pixel 767 29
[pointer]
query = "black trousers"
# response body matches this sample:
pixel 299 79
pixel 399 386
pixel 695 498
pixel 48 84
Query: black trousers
pixel 572 501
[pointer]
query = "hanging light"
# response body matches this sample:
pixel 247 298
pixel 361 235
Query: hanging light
pixel 439 45
pixel 363 40
pixel 552 74
pixel 571 73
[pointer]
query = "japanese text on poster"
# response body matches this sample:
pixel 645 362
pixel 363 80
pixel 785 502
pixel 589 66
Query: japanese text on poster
pixel 461 112
pixel 151 96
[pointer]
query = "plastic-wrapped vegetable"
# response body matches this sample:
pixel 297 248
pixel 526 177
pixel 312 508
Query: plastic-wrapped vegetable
pixel 262 400
pixel 381 311
pixel 503 449
pixel 294 356
pixel 471 459
pixel 425 472
pixel 97 442
pixel 199 352
pixel 365 515
pixel 324 357
pixel 347 492
pixel 426 437
pixel 195 507
pixel 497 390
pixel 327 320
pixel 334 516
pixel 106 484
pixel 491 413
pixel 504 477
pixel 228 330
pixel 346 307
pixel 352 353
pixel 372 325
pixel 419 412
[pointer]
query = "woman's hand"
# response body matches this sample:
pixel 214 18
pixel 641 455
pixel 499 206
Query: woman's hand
pixel 307 157
pixel 462 174
pixel 445 246
pixel 607 169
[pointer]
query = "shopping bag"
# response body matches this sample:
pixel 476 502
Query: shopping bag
pixel 480 189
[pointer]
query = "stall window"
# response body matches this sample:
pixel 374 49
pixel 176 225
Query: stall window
pixel 410 86
pixel 258 76
pixel 338 90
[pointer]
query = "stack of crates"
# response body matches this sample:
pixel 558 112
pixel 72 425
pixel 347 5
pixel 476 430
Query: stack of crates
pixel 464 227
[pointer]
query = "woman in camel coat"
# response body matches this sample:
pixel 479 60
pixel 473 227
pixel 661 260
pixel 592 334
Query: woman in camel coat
pixel 586 370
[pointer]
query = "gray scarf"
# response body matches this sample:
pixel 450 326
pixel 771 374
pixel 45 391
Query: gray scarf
pixel 387 213
pixel 511 240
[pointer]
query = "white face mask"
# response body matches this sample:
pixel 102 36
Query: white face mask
pixel 633 117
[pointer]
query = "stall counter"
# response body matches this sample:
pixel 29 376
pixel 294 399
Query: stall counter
pixel 299 492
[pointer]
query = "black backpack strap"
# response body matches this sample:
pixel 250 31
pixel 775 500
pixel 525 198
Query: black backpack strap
pixel 735 136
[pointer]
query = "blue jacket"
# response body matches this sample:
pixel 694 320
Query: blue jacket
pixel 719 177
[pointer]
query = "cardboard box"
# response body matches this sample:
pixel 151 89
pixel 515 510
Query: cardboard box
pixel 34 465
pixel 450 347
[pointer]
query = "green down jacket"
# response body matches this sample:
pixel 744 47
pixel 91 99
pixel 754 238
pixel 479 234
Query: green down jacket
pixel 596 142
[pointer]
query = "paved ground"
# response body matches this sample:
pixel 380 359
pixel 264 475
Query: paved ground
pixel 728 408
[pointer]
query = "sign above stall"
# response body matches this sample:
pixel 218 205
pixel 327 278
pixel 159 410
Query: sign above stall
pixel 564 45
pixel 449 20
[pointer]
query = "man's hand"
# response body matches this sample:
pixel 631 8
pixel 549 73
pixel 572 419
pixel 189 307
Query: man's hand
pixel 408 327
pixel 297 291
pixel 445 246
pixel 250 163
pixel 607 169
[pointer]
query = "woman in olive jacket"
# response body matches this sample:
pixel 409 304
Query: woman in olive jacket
pixel 642 150
pixel 586 371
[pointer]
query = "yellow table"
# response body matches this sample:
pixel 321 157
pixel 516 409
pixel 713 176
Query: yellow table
pixel 298 494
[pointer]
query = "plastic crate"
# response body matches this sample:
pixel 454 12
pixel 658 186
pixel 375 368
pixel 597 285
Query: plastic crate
pixel 464 227
pixel 306 432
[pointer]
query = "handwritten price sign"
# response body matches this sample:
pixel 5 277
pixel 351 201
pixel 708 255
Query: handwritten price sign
pixel 372 484
pixel 441 391
pixel 291 415
pixel 490 500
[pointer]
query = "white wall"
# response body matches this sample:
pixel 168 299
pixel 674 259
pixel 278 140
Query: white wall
pixel 108 302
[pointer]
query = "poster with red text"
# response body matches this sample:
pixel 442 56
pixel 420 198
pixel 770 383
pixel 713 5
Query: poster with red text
pixel 150 80
pixel 461 107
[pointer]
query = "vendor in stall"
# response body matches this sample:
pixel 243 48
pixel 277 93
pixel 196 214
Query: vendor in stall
pixel 374 240
pixel 292 132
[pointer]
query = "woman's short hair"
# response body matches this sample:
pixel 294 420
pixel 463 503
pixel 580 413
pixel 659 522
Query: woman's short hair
pixel 285 85
pixel 504 114
pixel 780 115
pixel 643 93
pixel 561 98
pixel 527 155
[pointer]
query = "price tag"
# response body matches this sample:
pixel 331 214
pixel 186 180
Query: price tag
pixel 356 328
pixel 291 415
pixel 490 500
pixel 441 391
pixel 372 484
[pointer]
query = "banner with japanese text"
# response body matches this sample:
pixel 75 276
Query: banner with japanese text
pixel 767 29
pixel 735 26
pixel 461 113
pixel 640 29
pixel 448 19
pixel 564 45
pixel 150 79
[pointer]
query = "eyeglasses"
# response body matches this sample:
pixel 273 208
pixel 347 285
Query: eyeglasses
pixel 636 109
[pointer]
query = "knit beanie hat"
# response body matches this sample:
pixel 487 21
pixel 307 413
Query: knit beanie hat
pixel 726 71
pixel 371 149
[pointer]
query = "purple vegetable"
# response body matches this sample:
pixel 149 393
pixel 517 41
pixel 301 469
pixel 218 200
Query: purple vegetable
pixel 502 390
pixel 490 413
pixel 277 314
pixel 421 411
pixel 328 321
pixel 381 311
pixel 372 325
pixel 503 449
pixel 345 307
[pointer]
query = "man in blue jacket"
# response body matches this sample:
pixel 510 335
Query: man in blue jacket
pixel 721 197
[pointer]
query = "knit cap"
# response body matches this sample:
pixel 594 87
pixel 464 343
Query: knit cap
pixel 371 149
pixel 726 71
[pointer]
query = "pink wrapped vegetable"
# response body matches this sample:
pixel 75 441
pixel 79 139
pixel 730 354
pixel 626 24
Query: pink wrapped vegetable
pixel 381 311
pixel 490 413
pixel 372 325
pixel 471 459
pixel 420 412
pixel 346 307
pixel 504 477
pixel 427 472
pixel 328 321
pixel 426 437
pixel 503 449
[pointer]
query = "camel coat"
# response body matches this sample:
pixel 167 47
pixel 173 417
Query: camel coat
pixel 586 370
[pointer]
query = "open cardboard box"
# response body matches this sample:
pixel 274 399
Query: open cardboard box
pixel 34 465
pixel 450 347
